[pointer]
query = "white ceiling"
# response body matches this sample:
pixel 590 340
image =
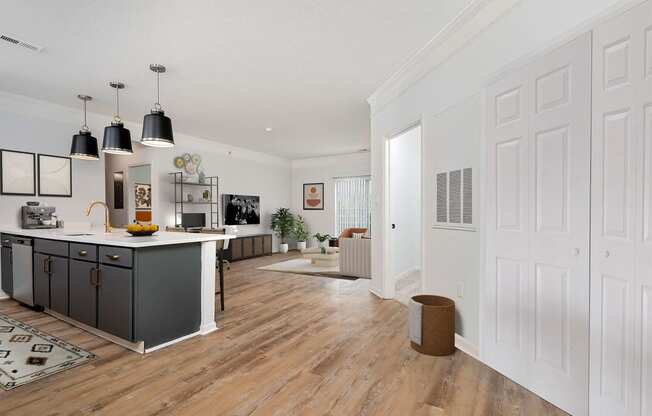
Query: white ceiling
pixel 302 67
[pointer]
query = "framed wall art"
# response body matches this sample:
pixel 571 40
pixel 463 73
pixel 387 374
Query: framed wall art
pixel 18 172
pixel 54 176
pixel 313 196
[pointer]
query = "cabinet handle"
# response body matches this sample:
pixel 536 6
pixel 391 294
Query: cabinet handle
pixel 95 276
pixel 47 265
pixel 90 276
pixel 98 277
pixel 113 256
pixel 83 253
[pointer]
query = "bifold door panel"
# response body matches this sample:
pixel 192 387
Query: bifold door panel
pixel 536 301
pixel 621 258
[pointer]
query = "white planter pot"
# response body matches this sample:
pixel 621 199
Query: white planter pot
pixel 301 245
pixel 283 247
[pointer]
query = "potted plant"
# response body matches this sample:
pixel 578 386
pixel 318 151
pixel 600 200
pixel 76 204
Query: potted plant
pixel 323 241
pixel 282 225
pixel 300 232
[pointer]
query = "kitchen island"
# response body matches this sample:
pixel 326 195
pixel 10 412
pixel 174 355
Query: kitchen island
pixel 143 293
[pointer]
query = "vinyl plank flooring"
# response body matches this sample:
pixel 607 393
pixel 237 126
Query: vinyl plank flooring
pixel 288 345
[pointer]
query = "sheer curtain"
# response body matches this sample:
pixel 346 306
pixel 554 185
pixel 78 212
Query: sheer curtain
pixel 352 203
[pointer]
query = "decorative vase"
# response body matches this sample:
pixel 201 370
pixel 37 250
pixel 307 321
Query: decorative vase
pixel 283 247
pixel 323 244
pixel 301 245
pixel 323 250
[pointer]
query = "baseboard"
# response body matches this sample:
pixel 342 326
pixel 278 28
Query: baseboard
pixel 406 273
pixel 467 347
pixel 377 294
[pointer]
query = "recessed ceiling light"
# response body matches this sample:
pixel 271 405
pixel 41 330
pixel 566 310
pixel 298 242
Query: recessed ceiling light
pixel 268 129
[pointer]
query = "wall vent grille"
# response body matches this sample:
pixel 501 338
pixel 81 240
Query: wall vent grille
pixel 454 198
pixel 12 40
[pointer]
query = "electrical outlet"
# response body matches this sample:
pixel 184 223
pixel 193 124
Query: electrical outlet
pixel 460 290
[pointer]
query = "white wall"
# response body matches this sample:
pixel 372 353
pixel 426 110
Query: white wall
pixel 529 26
pixel 42 131
pixel 324 169
pixel 405 201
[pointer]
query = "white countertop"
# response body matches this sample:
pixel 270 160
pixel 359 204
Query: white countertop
pixel 119 237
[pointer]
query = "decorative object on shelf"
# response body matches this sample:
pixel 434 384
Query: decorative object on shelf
pixel 206 195
pixel 118 190
pixel 231 229
pixel 143 196
pixel 141 230
pixel 84 145
pixel 117 139
pixel 18 173
pixel 282 225
pixel 241 209
pixel 313 196
pixel 54 176
pixel 323 241
pixel 189 197
pixel 300 232
pixel 157 127
pixel 190 165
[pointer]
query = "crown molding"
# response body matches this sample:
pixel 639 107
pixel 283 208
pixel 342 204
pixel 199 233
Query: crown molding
pixel 469 23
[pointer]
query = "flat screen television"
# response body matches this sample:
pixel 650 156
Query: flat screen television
pixel 241 209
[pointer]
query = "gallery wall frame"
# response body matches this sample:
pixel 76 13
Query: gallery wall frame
pixel 54 175
pixel 17 173
pixel 313 196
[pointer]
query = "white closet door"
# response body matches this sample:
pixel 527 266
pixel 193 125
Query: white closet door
pixel 506 304
pixel 537 284
pixel 560 133
pixel 621 268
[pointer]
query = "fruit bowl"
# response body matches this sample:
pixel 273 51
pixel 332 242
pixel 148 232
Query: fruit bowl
pixel 141 233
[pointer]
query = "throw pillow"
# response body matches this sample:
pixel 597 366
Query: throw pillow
pixel 357 235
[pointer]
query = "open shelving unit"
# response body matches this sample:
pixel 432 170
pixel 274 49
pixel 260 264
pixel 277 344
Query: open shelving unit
pixel 182 181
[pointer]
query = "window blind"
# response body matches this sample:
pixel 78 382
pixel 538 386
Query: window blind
pixel 352 203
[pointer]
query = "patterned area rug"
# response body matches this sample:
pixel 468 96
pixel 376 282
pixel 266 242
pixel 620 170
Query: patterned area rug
pixel 27 354
pixel 304 266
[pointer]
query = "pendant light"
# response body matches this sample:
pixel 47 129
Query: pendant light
pixel 84 146
pixel 117 139
pixel 157 127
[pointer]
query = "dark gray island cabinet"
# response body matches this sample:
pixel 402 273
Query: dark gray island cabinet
pixel 142 297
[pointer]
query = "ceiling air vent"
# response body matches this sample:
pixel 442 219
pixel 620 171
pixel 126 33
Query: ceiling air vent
pixel 17 42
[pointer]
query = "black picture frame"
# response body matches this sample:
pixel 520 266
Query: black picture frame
pixel 2 184
pixel 323 199
pixel 42 155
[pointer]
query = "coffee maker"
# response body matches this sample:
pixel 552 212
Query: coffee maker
pixel 34 216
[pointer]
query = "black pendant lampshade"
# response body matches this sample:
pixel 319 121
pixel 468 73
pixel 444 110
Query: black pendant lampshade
pixel 117 139
pixel 84 145
pixel 157 127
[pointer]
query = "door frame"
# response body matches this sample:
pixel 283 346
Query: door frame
pixel 389 282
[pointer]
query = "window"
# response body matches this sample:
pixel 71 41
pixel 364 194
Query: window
pixel 352 203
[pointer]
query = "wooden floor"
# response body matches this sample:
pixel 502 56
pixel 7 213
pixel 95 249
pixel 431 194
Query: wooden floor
pixel 288 345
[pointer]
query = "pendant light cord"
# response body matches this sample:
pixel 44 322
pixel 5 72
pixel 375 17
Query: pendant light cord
pixel 157 104
pixel 117 105
pixel 85 126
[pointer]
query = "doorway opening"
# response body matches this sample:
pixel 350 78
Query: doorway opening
pixel 405 212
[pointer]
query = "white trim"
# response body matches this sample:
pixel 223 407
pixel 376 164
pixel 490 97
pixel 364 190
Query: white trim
pixel 468 24
pixel 406 273
pixel 470 229
pixel 138 346
pixel 467 347
pixel 174 341
pixel 377 294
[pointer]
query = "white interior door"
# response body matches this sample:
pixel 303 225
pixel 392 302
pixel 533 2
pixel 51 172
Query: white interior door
pixel 621 265
pixel 537 272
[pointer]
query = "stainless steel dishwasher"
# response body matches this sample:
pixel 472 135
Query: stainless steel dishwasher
pixel 23 270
